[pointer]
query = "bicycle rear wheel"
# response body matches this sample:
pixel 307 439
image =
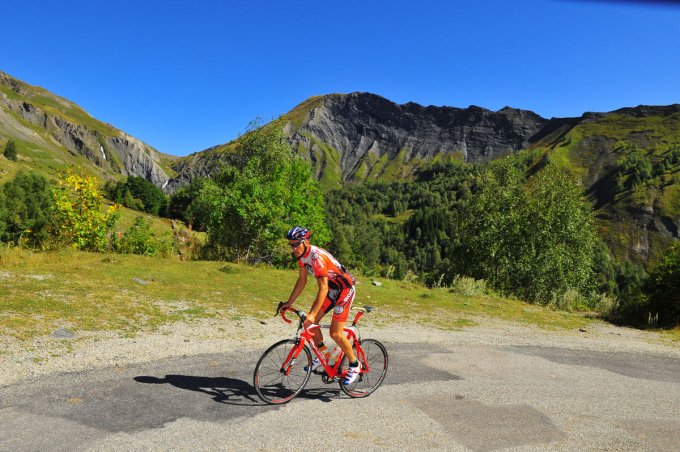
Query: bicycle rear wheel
pixel 374 364
pixel 277 381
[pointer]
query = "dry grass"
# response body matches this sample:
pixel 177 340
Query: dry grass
pixel 82 291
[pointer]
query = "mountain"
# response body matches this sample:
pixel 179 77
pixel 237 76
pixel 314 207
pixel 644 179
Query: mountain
pixel 362 136
pixel 628 159
pixel 629 163
pixel 52 133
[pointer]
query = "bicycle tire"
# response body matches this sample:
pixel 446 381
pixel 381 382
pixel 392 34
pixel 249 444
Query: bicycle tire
pixel 272 385
pixel 367 382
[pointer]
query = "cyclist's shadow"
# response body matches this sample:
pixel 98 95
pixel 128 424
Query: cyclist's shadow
pixel 229 390
pixel 222 389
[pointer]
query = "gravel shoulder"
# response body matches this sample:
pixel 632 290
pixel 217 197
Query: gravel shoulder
pixel 23 360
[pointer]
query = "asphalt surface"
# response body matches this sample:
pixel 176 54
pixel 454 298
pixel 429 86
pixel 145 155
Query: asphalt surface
pixel 434 397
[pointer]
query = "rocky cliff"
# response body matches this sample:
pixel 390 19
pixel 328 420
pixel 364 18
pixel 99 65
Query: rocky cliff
pixel 360 136
pixel 63 134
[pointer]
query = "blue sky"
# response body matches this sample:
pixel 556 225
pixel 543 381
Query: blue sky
pixel 186 75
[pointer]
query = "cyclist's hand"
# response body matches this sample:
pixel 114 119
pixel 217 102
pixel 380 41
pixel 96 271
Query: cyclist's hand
pixel 308 322
pixel 282 305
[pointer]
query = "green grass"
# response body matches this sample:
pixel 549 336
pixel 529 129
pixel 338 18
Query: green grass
pixel 127 294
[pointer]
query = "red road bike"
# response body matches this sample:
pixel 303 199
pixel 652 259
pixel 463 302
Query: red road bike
pixel 284 368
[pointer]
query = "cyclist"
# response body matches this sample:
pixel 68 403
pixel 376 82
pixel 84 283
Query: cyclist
pixel 336 292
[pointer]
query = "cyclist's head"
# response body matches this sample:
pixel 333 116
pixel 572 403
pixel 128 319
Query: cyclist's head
pixel 297 239
pixel 298 233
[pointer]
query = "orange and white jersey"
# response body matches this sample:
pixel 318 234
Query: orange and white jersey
pixel 319 263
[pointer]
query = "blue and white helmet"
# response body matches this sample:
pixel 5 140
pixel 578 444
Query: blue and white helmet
pixel 298 233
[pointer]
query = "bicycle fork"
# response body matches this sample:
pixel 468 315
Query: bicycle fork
pixel 289 362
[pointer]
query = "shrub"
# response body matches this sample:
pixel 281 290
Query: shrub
pixel 139 194
pixel 10 151
pixel 140 239
pixel 78 214
pixel 26 206
pixel 663 288
pixel 464 285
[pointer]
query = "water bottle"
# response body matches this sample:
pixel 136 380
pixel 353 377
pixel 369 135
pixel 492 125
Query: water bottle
pixel 335 352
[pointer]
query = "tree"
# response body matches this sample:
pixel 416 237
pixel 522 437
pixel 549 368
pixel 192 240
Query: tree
pixel 487 227
pixel 533 239
pixel 663 288
pixel 183 204
pixel 10 151
pixel 25 210
pixel 139 194
pixel 560 237
pixel 263 190
pixel 79 219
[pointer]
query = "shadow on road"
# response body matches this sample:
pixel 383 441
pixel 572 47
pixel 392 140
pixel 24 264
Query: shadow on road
pixel 231 391
pixel 222 389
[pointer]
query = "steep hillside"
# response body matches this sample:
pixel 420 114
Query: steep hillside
pixel 52 133
pixel 629 161
pixel 361 136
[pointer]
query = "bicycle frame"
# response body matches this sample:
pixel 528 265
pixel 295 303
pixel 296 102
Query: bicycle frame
pixel 307 337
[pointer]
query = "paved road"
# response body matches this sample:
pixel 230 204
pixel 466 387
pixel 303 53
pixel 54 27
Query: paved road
pixel 434 397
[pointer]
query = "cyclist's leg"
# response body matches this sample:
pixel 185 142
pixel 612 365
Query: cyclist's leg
pixel 325 307
pixel 340 314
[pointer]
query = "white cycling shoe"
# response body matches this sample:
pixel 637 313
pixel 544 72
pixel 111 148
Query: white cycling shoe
pixel 315 365
pixel 352 374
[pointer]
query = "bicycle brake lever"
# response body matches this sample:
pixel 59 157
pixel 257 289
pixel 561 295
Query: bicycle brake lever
pixel 278 308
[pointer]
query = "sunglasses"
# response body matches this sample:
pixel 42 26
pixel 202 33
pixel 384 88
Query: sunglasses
pixel 295 244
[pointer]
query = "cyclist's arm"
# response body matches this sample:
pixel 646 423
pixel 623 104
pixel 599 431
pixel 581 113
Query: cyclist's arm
pixel 322 282
pixel 299 286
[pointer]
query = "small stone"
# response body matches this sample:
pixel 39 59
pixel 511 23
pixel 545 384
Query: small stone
pixel 63 333
pixel 582 330
pixel 263 322
pixel 140 281
pixel 377 283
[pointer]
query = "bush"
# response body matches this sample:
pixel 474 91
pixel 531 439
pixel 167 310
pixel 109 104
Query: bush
pixel 10 151
pixel 139 194
pixel 464 285
pixel 570 301
pixel 663 288
pixel 78 215
pixel 140 239
pixel 26 206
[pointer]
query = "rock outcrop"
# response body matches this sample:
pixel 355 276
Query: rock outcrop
pixel 356 136
pixel 39 117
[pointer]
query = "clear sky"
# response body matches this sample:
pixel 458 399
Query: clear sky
pixel 186 75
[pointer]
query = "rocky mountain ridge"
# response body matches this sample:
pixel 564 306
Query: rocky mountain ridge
pixel 55 130
pixel 363 136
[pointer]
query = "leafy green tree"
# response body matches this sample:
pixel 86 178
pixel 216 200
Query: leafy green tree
pixel 25 210
pixel 533 239
pixel 79 217
pixel 139 194
pixel 183 205
pixel 263 190
pixel 10 151
pixel 559 237
pixel 488 227
pixel 663 288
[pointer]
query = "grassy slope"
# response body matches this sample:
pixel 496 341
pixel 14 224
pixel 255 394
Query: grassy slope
pixel 593 150
pixel 44 155
pixel 128 293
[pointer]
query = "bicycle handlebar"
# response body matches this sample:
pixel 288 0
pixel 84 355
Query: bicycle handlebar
pixel 300 314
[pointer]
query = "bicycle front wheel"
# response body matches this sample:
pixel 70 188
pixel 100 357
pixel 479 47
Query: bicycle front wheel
pixel 374 362
pixel 278 379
